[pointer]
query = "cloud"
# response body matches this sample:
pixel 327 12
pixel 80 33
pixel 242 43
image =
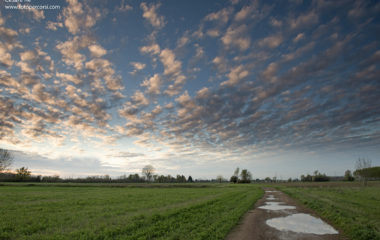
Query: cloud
pixel 244 13
pixel 138 66
pixel 97 51
pixel 28 56
pixel 303 20
pixel 102 69
pixel 126 155
pixel 236 74
pixel 203 93
pixel 221 63
pixel 151 15
pixel 213 32
pixel 154 48
pixel 153 84
pixel 269 73
pixel 171 65
pixel 199 52
pixel 8 43
pixel 124 7
pixel 70 51
pixel 237 37
pixel 271 41
pixel 184 40
pixel 221 16
pixel 37 14
pixel 5 56
pixel 139 98
pixel 69 77
pixel 76 18
pixel 129 111
pixel 299 37
pixel 64 166
pixel 275 23
pixel 54 25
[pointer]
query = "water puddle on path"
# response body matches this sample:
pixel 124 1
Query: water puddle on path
pixel 276 206
pixel 270 191
pixel 271 197
pixel 301 223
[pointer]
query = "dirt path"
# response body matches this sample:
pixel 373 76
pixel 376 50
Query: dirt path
pixel 254 224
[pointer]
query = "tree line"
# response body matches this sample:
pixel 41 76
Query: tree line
pixel 363 172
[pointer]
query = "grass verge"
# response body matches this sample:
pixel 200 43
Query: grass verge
pixel 349 206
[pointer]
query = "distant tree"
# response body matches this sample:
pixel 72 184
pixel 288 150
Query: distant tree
pixel 54 178
pixel 274 179
pixel 370 173
pixel 6 159
pixel 307 178
pixel 360 165
pixel 189 179
pixel 245 176
pixel 268 179
pixel 235 178
pixel 348 176
pixel 180 179
pixel 148 171
pixel 23 173
pixel 220 178
pixel 319 177
pixel 134 178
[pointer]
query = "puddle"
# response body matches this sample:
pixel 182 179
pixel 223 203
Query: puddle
pixel 271 197
pixel 301 223
pixel 276 206
pixel 270 191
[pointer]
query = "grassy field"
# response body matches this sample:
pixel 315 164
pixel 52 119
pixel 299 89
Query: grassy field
pixel 349 206
pixel 99 212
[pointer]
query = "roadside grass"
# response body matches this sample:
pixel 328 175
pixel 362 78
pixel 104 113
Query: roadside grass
pixel 349 206
pixel 147 212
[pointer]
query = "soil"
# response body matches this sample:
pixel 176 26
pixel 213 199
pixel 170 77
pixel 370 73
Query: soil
pixel 253 225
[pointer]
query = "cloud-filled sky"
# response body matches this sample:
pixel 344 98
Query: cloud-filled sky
pixel 194 87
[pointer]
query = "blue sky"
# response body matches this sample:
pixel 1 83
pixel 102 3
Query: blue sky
pixel 199 88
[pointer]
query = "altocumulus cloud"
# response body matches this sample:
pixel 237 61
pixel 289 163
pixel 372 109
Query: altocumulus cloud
pixel 228 85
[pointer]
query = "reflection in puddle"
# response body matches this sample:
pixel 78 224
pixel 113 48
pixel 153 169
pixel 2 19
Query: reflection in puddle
pixel 271 197
pixel 276 206
pixel 301 223
pixel 270 191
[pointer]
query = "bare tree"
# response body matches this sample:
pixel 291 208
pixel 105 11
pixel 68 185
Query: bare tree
pixel 148 171
pixel 6 159
pixel 361 165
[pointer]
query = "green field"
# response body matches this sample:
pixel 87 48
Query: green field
pixel 152 211
pixel 349 206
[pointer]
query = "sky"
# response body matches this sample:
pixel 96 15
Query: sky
pixel 281 88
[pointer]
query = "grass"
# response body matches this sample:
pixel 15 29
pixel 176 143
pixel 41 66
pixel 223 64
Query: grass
pixel 100 212
pixel 349 206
